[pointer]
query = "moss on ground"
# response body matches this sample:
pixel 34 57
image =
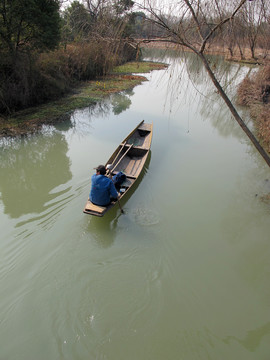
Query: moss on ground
pixel 138 67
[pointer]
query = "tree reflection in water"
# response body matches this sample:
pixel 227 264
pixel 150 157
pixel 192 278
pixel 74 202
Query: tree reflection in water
pixel 30 170
pixel 115 103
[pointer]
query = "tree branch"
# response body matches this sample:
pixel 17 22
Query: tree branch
pixel 242 2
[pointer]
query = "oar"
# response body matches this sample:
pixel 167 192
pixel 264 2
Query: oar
pixel 111 170
pixel 120 207
pixel 118 154
pixel 130 146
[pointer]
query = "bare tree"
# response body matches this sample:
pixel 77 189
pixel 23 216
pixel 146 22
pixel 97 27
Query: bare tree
pixel 198 22
pixel 96 8
pixel 252 15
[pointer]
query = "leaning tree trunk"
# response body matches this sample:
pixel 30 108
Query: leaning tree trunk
pixel 235 114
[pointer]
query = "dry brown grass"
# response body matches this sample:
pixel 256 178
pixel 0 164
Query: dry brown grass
pixel 254 92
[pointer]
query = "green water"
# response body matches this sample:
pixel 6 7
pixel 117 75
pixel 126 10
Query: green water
pixel 183 274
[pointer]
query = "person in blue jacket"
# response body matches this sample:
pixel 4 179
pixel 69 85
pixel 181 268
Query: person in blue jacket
pixel 102 190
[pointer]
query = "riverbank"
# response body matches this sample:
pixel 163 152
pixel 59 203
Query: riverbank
pixel 262 55
pixel 88 93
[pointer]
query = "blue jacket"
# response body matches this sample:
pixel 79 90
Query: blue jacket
pixel 102 190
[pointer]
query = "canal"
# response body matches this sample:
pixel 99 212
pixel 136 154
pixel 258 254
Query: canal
pixel 182 274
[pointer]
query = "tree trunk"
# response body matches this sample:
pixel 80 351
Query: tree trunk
pixel 241 52
pixel 235 114
pixel 231 51
pixel 252 52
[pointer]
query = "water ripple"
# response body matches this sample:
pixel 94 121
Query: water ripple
pixel 145 217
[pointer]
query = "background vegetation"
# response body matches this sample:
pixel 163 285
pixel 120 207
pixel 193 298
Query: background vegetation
pixel 48 46
pixel 201 26
pixel 45 50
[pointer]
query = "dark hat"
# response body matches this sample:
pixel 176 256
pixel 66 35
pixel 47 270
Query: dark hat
pixel 101 169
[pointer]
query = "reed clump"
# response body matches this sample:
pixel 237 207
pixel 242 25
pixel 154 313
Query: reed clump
pixel 254 92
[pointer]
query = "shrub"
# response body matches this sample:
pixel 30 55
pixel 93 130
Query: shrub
pixel 36 79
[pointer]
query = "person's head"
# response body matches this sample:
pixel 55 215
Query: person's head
pixel 101 169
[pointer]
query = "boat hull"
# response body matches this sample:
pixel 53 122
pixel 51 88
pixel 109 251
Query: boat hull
pixel 129 157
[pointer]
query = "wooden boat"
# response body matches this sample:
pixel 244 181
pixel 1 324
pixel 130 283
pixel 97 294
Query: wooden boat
pixel 129 157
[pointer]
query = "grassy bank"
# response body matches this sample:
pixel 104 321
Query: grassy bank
pixel 88 93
